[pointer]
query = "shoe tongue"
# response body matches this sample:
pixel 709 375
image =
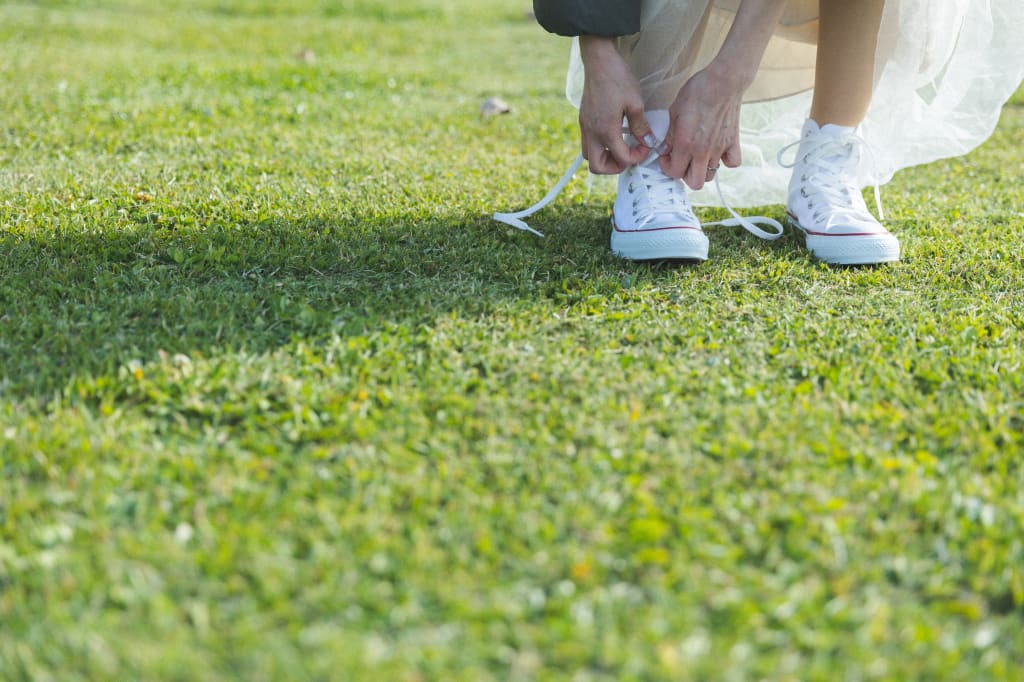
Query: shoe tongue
pixel 659 120
pixel 830 131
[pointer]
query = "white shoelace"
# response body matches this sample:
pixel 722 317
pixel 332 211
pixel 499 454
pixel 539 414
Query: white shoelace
pixel 663 195
pixel 515 219
pixel 653 179
pixel 828 175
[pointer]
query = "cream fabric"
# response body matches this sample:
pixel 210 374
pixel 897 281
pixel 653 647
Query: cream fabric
pixel 943 70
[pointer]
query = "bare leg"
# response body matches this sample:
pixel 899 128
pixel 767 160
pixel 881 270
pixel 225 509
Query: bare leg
pixel 847 36
pixel 825 200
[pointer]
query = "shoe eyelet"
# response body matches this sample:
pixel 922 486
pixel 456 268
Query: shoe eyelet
pixel 631 188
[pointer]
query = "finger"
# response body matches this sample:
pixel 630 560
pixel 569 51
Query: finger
pixel 668 160
pixel 698 170
pixel 695 174
pixel 601 162
pixel 674 164
pixel 618 149
pixel 641 130
pixel 733 157
pixel 679 154
pixel 613 166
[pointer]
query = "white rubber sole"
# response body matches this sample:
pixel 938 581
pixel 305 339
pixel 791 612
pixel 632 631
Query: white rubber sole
pixel 666 243
pixel 859 249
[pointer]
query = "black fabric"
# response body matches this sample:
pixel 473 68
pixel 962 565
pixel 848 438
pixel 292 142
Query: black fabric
pixel 588 17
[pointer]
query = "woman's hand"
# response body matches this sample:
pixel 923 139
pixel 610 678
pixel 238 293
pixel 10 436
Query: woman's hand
pixel 704 127
pixel 610 93
pixel 705 117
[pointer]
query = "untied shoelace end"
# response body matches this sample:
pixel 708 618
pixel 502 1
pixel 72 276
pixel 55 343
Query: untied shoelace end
pixel 515 219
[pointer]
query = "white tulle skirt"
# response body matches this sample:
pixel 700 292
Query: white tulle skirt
pixel 943 71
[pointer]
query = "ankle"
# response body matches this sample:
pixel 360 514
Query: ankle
pixel 832 123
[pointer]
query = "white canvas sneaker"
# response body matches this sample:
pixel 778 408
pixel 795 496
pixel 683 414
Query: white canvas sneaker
pixel 825 202
pixel 652 218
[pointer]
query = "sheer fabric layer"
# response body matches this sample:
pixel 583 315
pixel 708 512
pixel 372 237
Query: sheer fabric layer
pixel 943 70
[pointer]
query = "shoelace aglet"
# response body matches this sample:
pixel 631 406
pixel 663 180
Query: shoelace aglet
pixel 511 220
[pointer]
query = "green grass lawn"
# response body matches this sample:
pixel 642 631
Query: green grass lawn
pixel 279 401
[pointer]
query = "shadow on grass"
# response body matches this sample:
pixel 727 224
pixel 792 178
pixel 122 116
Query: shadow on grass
pixel 86 304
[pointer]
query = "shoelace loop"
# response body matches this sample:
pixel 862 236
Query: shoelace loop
pixel 750 224
pixel 515 219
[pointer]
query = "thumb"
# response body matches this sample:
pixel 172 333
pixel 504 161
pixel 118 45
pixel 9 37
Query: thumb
pixel 640 129
pixel 672 164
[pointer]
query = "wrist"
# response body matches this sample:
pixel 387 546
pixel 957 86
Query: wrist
pixel 732 72
pixel 597 46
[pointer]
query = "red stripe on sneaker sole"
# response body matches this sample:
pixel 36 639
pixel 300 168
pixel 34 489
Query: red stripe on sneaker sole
pixel 803 229
pixel 657 229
